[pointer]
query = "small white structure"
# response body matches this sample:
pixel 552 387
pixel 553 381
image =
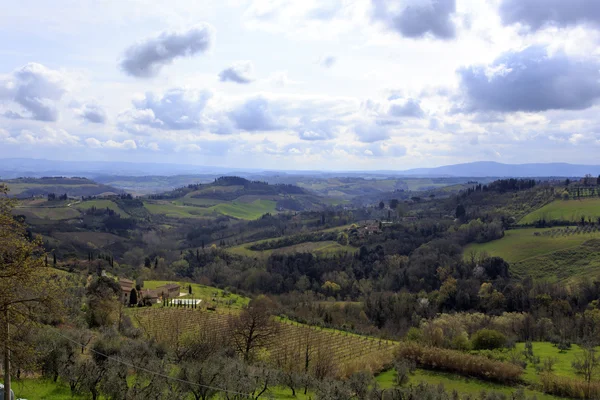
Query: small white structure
pixel 184 302
pixel 12 394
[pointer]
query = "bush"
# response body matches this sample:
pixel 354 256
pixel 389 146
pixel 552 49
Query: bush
pixel 569 387
pixel 488 339
pixel 460 363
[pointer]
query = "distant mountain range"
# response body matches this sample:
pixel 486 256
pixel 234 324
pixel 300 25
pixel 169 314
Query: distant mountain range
pixel 495 169
pixel 19 167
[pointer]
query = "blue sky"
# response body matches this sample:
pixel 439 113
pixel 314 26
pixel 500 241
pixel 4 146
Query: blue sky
pixel 340 84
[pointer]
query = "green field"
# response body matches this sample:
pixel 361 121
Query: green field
pixel 174 211
pixel 322 248
pixel 101 204
pixel 465 386
pixel 241 210
pixel 51 213
pixel 568 210
pixel 206 293
pixel 18 188
pixel 234 209
pixel 90 239
pixel 41 389
pixel 545 350
pixel 544 256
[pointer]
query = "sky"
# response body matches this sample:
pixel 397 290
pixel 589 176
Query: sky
pixel 311 84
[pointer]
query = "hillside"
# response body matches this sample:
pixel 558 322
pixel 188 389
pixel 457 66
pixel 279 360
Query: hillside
pixel 565 210
pixel 235 197
pixel 550 253
pixel 73 187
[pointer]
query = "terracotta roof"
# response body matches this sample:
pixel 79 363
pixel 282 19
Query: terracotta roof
pixel 126 284
pixel 150 293
pixel 170 286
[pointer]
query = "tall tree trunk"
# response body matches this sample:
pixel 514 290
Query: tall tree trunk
pixel 6 357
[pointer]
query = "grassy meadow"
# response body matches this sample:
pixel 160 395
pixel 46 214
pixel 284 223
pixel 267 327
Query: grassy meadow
pixel 463 385
pixel 50 213
pixel 567 210
pixel 101 204
pixel 321 248
pixel 202 208
pixel 558 256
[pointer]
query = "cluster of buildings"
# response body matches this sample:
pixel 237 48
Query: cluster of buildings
pixel 167 291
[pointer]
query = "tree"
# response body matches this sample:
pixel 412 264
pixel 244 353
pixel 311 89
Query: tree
pixel 190 289
pixel 587 365
pixel 460 211
pixel 28 289
pixel 254 328
pixel 133 297
pixel 381 205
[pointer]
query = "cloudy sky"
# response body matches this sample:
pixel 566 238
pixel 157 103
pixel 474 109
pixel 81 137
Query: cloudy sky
pixel 311 84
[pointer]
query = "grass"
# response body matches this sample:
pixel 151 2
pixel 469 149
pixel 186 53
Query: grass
pixel 463 385
pixel 206 293
pixel 321 248
pixel 558 257
pixel 241 210
pixel 51 213
pixel 176 211
pixel 101 204
pixel 41 389
pixel 18 188
pixel 91 239
pixel 545 350
pixel 234 209
pixel 568 210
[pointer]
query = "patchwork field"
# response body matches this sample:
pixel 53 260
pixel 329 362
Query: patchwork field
pixel 91 239
pixel 567 210
pixel 552 254
pixel 101 204
pixel 203 208
pixel 321 248
pixel 50 213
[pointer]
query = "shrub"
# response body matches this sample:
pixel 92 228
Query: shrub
pixel 569 387
pixel 460 363
pixel 488 339
pixel 414 334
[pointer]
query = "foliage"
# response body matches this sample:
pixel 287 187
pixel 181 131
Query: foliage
pixel 460 363
pixel 488 339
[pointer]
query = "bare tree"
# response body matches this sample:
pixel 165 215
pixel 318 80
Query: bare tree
pixel 254 328
pixel 587 365
pixel 28 288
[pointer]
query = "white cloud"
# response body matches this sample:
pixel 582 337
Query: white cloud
pixel 36 89
pixel 93 113
pixel 45 136
pixel 127 144
pixel 240 72
pixel 146 58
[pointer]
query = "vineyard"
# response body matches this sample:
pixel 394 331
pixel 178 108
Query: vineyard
pixel 300 344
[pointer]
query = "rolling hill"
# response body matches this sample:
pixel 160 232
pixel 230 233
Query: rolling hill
pixel 232 196
pixel 74 187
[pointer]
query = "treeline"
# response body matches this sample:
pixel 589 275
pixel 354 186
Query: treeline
pixel 502 186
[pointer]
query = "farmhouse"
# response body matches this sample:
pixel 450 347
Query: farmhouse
pixel 126 286
pixel 168 291
pixel 150 295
